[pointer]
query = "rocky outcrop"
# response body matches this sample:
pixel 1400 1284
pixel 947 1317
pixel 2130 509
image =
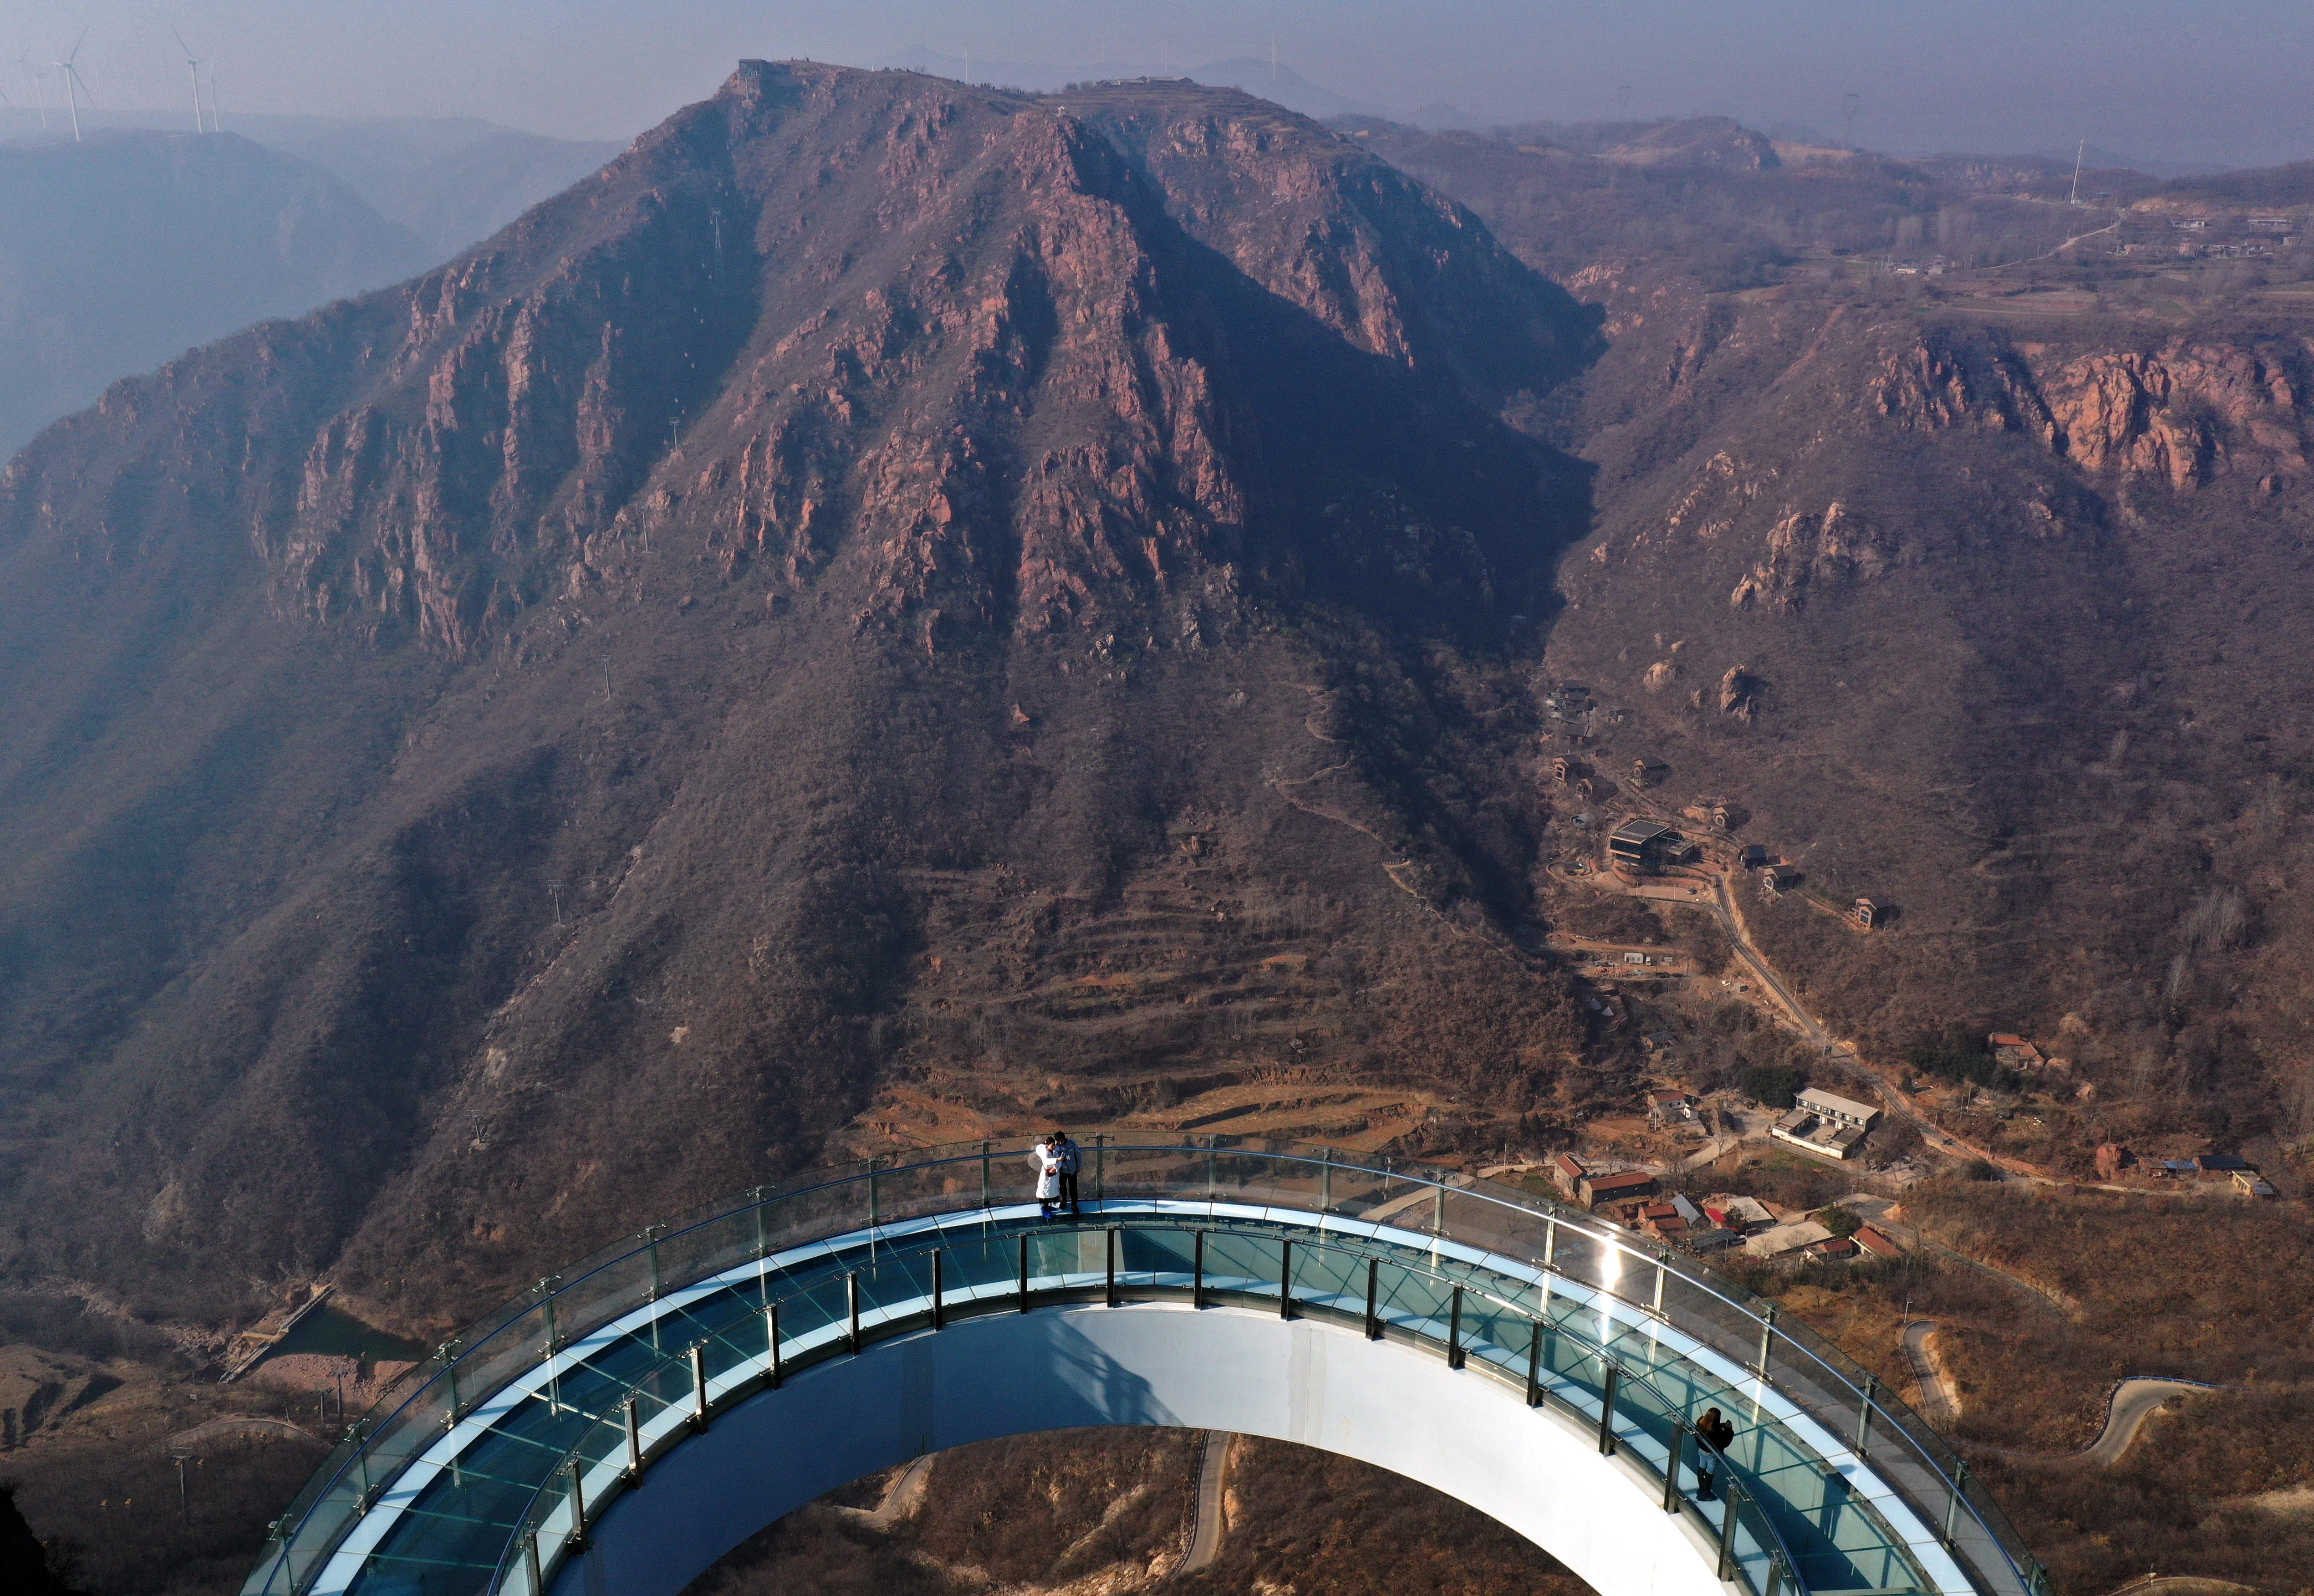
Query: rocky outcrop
pixel 1807 550
pixel 2182 414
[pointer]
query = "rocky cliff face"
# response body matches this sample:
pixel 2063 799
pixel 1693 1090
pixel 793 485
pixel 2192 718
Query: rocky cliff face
pixel 885 581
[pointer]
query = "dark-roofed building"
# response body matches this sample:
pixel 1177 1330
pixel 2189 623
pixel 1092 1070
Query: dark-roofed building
pixel 1635 844
pixel 1596 1189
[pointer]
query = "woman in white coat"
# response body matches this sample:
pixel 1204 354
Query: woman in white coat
pixel 1047 1161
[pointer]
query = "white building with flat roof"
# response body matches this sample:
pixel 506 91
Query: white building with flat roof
pixel 1832 1106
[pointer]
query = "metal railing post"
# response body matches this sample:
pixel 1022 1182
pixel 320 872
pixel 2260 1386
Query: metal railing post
pixel 851 1307
pixel 1438 1211
pixel 634 1406
pixel 1549 1243
pixel 699 1385
pixel 1099 1170
pixel 1374 1281
pixel 1213 1166
pixel 1534 1365
pixel 1777 1575
pixel 1198 1279
pixel 1767 1335
pixel 1734 1508
pixel 773 1364
pixel 1607 1413
pixel 1662 1269
pixel 553 1345
pixel 1671 1497
pixel 1109 1297
pixel 985 1194
pixel 1864 1414
pixel 1024 1270
pixel 1454 1330
pixel 450 1382
pixel 530 1564
pixel 1325 1184
pixel 762 1234
pixel 578 1505
pixel 1959 1495
pixel 1284 1280
pixel 940 1289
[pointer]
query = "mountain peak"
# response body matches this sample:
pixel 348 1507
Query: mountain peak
pixel 966 357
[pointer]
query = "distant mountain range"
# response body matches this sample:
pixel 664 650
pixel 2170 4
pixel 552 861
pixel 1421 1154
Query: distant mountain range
pixel 133 243
pixel 451 181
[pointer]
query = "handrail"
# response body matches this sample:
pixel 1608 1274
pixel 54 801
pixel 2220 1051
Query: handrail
pixel 436 1378
pixel 542 1503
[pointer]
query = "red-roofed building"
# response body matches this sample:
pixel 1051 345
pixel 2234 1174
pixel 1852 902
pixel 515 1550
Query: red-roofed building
pixel 1876 1242
pixel 1567 1170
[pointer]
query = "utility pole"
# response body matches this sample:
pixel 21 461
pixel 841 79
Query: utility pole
pixel 184 1497
pixel 2079 151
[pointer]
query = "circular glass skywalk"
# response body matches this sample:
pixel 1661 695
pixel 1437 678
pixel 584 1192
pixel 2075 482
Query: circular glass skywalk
pixel 486 1467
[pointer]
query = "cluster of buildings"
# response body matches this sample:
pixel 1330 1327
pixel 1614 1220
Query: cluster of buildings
pixel 1635 1200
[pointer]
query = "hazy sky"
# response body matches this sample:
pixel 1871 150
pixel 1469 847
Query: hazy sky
pixel 2214 80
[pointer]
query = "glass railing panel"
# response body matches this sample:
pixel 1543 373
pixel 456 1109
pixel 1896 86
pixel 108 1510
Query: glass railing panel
pixel 1350 1188
pixel 1413 1300
pixel 976 1267
pixel 1235 1262
pixel 1332 1277
pixel 707 1248
pixel 616 1287
pixel 483 1368
pixel 1149 1256
pixel 913 1191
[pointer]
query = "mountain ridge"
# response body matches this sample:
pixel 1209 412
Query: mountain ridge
pixel 867 532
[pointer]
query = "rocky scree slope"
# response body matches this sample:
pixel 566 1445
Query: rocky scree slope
pixel 503 758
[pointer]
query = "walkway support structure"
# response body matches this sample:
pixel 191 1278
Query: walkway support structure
pixel 1267 1288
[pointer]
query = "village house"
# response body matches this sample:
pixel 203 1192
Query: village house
pixel 1596 1189
pixel 1825 1123
pixel 2012 1052
pixel 1876 1242
pixel 1779 1239
pixel 1737 1214
pixel 1568 1171
pixel 1833 1247
pixel 1672 1107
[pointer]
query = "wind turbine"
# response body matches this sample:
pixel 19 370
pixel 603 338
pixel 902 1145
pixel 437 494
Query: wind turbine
pixel 73 80
pixel 192 71
pixel 40 84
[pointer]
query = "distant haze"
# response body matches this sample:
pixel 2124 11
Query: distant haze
pixel 2218 83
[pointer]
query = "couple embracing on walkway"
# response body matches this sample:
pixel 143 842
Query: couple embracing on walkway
pixel 1054 1158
